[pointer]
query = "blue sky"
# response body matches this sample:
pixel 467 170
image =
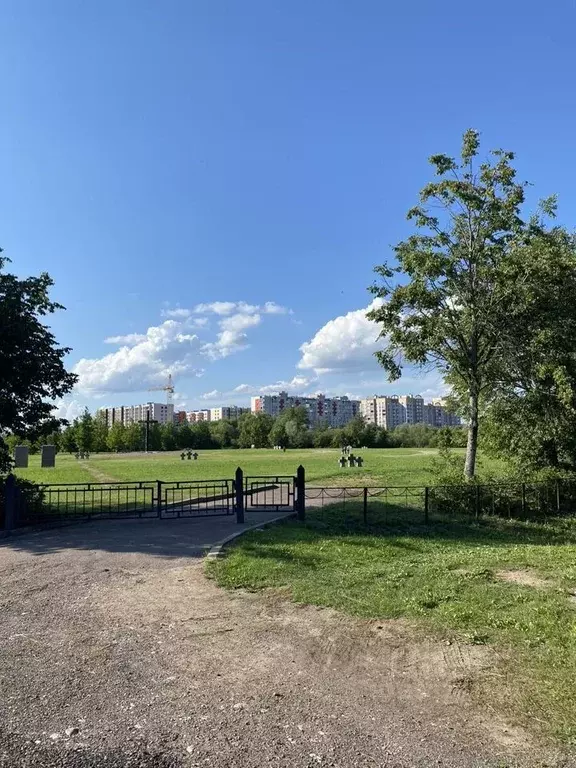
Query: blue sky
pixel 210 184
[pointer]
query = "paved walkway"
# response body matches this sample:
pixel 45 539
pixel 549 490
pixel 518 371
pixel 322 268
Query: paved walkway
pixel 117 651
pixel 170 538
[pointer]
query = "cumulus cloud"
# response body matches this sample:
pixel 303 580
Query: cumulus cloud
pixel 173 347
pixel 346 343
pixel 68 409
pixel 164 349
pixel 232 337
pixel 129 340
pixel 178 312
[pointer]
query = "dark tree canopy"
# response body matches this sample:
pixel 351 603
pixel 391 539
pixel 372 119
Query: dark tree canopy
pixel 32 372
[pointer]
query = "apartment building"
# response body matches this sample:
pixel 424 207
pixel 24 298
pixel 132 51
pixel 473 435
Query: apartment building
pixel 413 408
pixel 333 411
pixel 203 414
pixel 387 412
pixel 227 412
pixel 391 411
pixel 163 413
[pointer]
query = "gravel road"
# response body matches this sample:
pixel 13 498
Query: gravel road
pixel 115 650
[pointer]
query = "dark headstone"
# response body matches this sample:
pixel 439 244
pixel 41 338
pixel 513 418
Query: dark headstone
pixel 359 461
pixel 21 456
pixel 194 455
pixel 48 456
pixel 342 461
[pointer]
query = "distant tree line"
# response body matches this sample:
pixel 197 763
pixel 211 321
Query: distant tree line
pixel 90 434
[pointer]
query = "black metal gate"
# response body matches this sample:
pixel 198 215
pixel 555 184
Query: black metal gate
pixel 195 498
pixel 275 493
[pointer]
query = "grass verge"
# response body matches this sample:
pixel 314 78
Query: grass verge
pixel 451 578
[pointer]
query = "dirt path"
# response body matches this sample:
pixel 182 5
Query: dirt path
pixel 127 641
pixel 97 474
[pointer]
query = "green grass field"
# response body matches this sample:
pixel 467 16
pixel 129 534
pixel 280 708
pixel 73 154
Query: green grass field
pixel 448 579
pixel 391 466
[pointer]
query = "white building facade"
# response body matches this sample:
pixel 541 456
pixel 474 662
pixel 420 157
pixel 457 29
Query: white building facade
pixel 229 412
pixel 163 413
pixel 391 411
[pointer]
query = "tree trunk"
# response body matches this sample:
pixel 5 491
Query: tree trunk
pixel 472 444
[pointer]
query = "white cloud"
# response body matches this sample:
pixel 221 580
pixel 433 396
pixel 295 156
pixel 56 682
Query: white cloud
pixel 232 337
pixel 222 307
pixel 129 340
pixel 145 359
pixel 346 343
pixel 178 312
pixel 240 307
pixel 271 308
pixel 214 394
pixel 166 348
pixel 68 409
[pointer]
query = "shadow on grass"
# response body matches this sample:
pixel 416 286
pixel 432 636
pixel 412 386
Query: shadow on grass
pixel 403 528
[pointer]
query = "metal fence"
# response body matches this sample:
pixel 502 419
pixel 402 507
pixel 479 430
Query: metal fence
pixel 269 492
pixel 424 504
pixel 24 503
pixel 196 498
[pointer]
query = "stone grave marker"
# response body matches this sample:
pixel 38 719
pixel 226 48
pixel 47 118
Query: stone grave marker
pixel 48 455
pixel 21 456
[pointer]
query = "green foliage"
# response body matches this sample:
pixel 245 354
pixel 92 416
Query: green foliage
pixel 425 436
pixel 32 372
pixel 254 430
pixel 450 307
pixel 531 416
pixel 84 431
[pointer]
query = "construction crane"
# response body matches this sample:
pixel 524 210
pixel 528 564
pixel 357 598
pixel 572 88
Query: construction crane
pixel 168 388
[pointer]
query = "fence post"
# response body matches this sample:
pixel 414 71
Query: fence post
pixel 10 503
pixel 159 498
pixel 239 495
pixel 301 493
pixel 426 504
pixel 365 509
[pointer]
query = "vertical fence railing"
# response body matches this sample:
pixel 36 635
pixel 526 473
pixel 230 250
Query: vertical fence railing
pixel 372 505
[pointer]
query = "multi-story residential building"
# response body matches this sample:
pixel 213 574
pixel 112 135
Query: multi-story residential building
pixel 437 415
pixel 201 415
pixel 163 413
pixel 413 408
pixel 333 411
pixel 385 411
pixel 180 417
pixel 227 412
pixel 391 411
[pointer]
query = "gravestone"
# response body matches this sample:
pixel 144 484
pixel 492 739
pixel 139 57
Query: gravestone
pixel 351 460
pixel 359 461
pixel 342 462
pixel 182 455
pixel 48 456
pixel 194 455
pixel 21 456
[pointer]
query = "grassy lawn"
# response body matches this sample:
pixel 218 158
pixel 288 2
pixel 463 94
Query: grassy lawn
pixel 448 578
pixel 392 466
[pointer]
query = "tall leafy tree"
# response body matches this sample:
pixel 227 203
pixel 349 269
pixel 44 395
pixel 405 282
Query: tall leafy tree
pixel 32 371
pixel 85 432
pixel 532 417
pixel 446 302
